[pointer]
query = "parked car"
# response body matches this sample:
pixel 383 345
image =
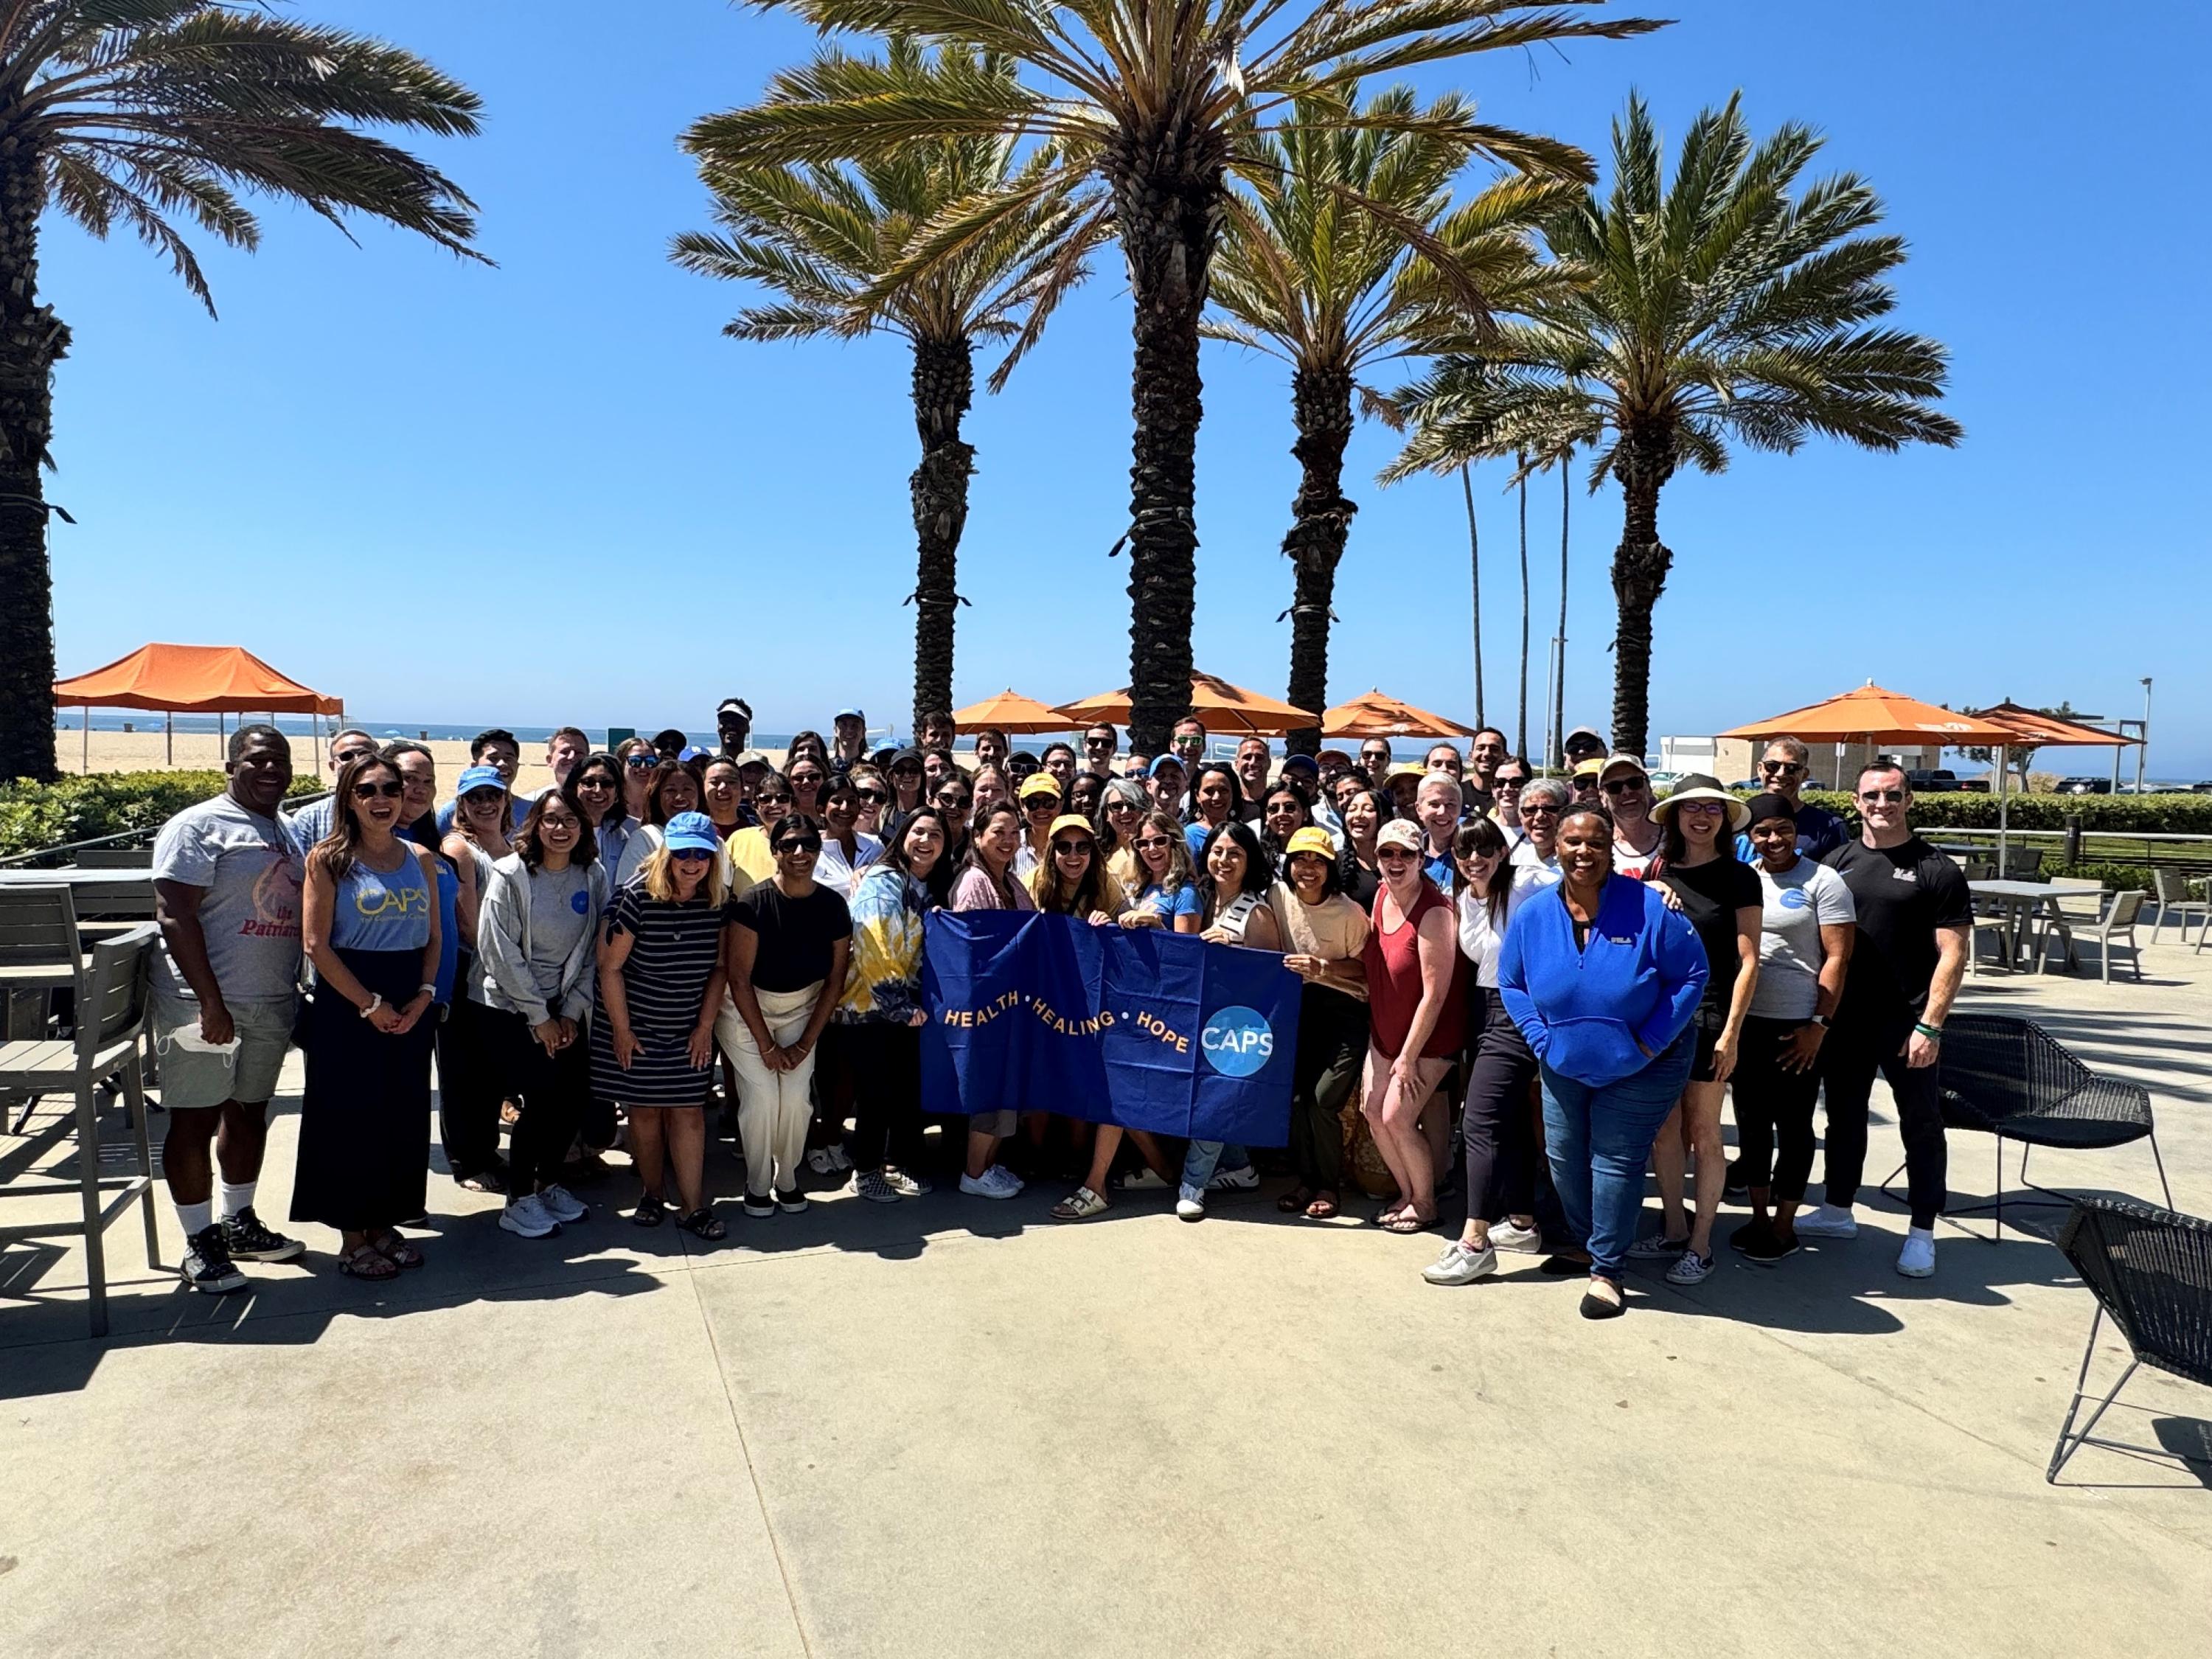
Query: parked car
pixel 2084 787
pixel 1931 781
pixel 2203 789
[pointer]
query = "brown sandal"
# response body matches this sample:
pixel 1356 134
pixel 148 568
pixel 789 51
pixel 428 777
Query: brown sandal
pixel 366 1262
pixel 1321 1208
pixel 1297 1199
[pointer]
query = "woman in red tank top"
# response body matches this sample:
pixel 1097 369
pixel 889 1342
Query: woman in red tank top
pixel 1417 1020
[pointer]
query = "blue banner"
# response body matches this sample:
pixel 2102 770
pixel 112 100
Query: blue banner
pixel 1141 1027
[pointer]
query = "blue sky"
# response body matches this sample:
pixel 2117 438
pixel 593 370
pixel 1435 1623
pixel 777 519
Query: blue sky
pixel 552 491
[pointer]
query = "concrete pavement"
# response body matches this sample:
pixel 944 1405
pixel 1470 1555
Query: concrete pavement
pixel 950 1427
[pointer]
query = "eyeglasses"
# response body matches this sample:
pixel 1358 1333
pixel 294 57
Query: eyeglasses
pixel 800 844
pixel 1149 843
pixel 388 791
pixel 1883 797
pixel 1783 767
pixel 549 822
pixel 1622 785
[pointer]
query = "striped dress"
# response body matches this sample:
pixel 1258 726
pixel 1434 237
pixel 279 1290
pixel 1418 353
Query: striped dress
pixel 672 957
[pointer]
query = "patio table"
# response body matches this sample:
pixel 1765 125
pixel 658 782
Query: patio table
pixel 2019 900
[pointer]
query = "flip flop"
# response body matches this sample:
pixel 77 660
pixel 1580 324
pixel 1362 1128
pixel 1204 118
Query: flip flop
pixel 1408 1220
pixel 1322 1209
pixel 1297 1199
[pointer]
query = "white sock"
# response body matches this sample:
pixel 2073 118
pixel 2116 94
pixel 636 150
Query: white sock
pixel 195 1218
pixel 234 1199
pixel 1928 1233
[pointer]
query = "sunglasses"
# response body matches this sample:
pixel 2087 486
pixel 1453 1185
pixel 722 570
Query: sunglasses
pixel 1098 743
pixel 597 781
pixel 953 803
pixel 1544 810
pixel 1890 797
pixel 1622 785
pixel 1071 849
pixel 1113 806
pixel 1784 767
pixel 776 800
pixel 689 855
pixel 1510 784
pixel 811 781
pixel 347 756
pixel 388 791
pixel 874 797
pixel 1041 804
pixel 1392 855
pixel 800 844
pixel 1148 843
pixel 641 763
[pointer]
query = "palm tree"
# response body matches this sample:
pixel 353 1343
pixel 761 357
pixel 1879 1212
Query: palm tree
pixel 1722 307
pixel 1162 101
pixel 825 235
pixel 144 115
pixel 1332 292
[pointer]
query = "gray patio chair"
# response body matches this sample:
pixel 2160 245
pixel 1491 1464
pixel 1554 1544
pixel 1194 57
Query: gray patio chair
pixel 40 954
pixel 2112 922
pixel 115 857
pixel 2151 1273
pixel 2172 887
pixel 110 1024
pixel 2008 1078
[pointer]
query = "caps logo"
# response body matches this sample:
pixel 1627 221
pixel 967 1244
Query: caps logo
pixel 1238 1041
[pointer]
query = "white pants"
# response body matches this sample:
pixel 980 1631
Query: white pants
pixel 773 1108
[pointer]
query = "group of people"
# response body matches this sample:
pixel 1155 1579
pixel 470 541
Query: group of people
pixel 1570 974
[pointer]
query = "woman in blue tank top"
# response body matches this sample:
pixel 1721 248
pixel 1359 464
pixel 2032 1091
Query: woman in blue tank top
pixel 373 928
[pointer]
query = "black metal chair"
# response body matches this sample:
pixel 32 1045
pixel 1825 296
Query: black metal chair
pixel 2151 1273
pixel 2009 1077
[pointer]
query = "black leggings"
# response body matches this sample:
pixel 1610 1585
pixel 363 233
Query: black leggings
pixel 1332 1047
pixel 1849 1060
pixel 468 1090
pixel 1771 1105
pixel 885 1057
pixel 1498 1129
pixel 553 1090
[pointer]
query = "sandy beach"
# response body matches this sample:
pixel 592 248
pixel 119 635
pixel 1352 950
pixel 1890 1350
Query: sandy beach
pixel 145 752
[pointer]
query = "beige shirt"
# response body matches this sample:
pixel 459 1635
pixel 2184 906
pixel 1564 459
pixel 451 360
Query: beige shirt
pixel 1335 930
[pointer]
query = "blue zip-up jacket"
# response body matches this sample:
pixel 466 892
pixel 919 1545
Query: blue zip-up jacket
pixel 1640 979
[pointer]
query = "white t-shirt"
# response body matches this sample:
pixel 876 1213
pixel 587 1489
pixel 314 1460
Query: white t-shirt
pixel 1479 938
pixel 1796 903
pixel 251 870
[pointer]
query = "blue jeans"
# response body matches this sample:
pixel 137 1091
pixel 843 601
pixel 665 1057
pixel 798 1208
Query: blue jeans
pixel 1598 1141
pixel 1204 1158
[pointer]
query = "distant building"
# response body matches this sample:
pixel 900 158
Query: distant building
pixel 1734 760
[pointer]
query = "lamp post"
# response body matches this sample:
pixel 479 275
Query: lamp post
pixel 2142 748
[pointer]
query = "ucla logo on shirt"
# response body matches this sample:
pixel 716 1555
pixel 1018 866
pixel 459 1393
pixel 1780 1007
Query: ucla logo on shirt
pixel 1238 1041
pixel 1794 899
pixel 579 901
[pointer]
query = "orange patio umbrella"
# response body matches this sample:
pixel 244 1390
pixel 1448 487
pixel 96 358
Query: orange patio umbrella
pixel 1223 707
pixel 1373 715
pixel 1871 715
pixel 2032 730
pixel 1010 711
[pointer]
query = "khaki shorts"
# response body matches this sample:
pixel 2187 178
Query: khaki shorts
pixel 192 1079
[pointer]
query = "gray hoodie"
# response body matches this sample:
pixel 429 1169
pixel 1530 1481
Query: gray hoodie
pixel 503 974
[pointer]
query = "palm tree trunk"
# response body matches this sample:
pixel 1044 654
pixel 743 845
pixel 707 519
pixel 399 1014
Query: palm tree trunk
pixel 1168 196
pixel 1639 575
pixel 32 341
pixel 944 386
pixel 1475 573
pixel 1320 405
pixel 1520 739
pixel 1557 757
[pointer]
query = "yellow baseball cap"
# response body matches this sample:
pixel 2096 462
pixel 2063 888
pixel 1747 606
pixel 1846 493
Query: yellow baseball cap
pixel 1040 783
pixel 1072 821
pixel 1311 840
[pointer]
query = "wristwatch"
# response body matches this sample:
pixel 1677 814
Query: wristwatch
pixel 1820 1020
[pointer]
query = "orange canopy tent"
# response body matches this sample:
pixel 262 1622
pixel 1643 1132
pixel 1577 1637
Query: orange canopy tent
pixel 1372 714
pixel 201 679
pixel 1223 707
pixel 1010 711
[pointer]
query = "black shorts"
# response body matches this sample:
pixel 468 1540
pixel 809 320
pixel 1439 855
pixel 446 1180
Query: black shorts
pixel 1701 1068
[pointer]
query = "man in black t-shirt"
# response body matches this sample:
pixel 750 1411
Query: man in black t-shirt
pixel 1915 917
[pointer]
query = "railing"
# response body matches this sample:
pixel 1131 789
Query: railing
pixel 2192 854
pixel 44 857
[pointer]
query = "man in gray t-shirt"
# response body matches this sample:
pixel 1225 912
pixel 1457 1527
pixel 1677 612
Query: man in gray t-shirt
pixel 226 879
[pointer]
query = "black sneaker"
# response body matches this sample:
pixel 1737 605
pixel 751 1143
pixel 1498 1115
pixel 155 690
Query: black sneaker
pixel 246 1240
pixel 207 1265
pixel 1762 1243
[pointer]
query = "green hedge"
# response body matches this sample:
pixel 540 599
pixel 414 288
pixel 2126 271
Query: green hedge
pixel 2111 815
pixel 35 815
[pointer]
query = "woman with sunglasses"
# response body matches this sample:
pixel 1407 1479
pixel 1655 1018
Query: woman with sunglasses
pixel 808 776
pixel 1544 802
pixel 638 758
pixel 1603 980
pixel 1325 937
pixel 1283 811
pixel 785 944
pixel 847 850
pixel 660 990
pixel 369 924
pixel 747 858
pixel 954 798
pixel 1235 878
pixel 1042 798
pixel 986 881
pixel 1704 881
pixel 674 790
pixel 1417 1008
pixel 1164 881
pixel 880 1017
pixel 468 1079
pixel 1216 798
pixel 1073 881
pixel 1121 807
pixel 598 780
pixel 535 931
pixel 1498 1128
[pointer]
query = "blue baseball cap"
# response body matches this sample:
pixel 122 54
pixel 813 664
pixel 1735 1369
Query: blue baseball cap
pixel 479 777
pixel 851 714
pixel 1160 762
pixel 693 752
pixel 1302 764
pixel 691 832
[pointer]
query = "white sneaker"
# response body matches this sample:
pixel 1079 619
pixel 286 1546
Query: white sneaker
pixel 1461 1264
pixel 1234 1181
pixel 822 1161
pixel 529 1218
pixel 1917 1259
pixel 1190 1208
pixel 908 1186
pixel 1524 1241
pixel 1144 1181
pixel 563 1205
pixel 1827 1221
pixel 996 1182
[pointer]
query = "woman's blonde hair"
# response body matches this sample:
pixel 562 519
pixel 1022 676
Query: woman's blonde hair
pixel 660 879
